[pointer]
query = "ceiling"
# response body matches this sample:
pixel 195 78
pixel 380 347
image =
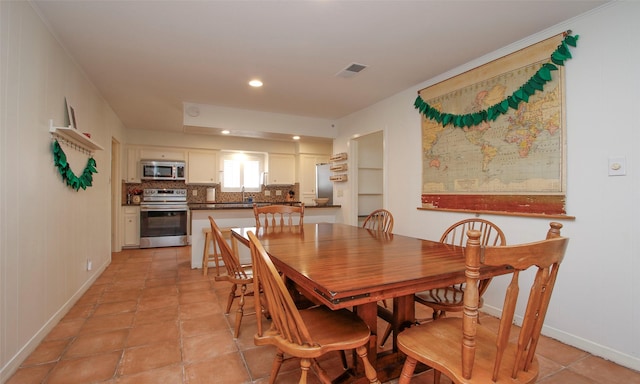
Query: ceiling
pixel 147 58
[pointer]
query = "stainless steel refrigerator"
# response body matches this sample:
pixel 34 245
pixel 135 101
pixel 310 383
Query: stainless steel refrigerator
pixel 324 186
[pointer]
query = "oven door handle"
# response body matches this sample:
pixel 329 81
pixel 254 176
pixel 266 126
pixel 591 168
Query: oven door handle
pixel 163 209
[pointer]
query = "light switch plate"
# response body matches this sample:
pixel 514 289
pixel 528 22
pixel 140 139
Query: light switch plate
pixel 617 166
pixel 267 193
pixel 278 192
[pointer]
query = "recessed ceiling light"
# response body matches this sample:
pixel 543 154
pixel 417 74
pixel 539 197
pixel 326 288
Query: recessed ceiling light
pixel 255 83
pixel 296 137
pixel 225 132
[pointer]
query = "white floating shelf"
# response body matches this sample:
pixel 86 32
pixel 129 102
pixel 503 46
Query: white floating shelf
pixel 342 167
pixel 73 135
pixel 338 157
pixel 338 177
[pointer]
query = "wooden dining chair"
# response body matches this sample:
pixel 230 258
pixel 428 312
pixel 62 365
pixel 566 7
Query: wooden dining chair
pixel 450 299
pixel 278 215
pixel 379 220
pixel 304 333
pixel 468 352
pixel 237 275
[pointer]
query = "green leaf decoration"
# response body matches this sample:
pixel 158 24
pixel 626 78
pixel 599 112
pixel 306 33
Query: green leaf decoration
pixel 513 102
pixel 572 40
pixel 535 84
pixel 544 73
pixel 86 177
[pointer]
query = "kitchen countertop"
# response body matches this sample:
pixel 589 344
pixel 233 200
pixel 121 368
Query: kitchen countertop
pixel 238 205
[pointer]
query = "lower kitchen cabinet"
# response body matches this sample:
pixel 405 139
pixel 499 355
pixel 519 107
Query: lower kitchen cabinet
pixel 131 216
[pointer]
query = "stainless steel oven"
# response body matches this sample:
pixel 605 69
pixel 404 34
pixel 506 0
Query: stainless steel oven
pixel 164 218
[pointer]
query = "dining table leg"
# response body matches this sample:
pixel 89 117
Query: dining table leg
pixel 368 312
pixel 404 315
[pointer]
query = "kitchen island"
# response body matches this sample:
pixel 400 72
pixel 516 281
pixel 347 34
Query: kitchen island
pixel 229 215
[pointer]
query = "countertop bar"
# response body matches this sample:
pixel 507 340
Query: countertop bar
pixel 209 206
pixel 232 216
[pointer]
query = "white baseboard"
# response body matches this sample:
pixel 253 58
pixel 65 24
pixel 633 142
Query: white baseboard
pixel 596 349
pixel 14 363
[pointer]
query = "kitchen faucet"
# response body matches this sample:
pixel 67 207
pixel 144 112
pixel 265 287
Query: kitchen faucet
pixel 243 193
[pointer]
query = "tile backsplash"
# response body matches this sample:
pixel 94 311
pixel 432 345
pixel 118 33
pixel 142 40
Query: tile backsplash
pixel 198 193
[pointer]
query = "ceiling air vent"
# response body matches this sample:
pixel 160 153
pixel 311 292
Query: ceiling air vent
pixel 352 70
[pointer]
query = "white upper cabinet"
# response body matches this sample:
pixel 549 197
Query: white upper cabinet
pixel 202 167
pixel 132 174
pixel 282 170
pixel 162 154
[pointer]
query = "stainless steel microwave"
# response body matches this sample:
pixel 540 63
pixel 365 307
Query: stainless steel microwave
pixel 162 170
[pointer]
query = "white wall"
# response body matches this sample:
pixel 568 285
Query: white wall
pixel 596 304
pixel 48 230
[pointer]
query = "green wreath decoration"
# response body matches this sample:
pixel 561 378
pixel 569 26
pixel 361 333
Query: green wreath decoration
pixel 534 84
pixel 60 160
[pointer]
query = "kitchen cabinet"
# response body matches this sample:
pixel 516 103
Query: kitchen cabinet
pixel 151 153
pixel 282 170
pixel 132 174
pixel 202 167
pixel 131 216
pixel 307 176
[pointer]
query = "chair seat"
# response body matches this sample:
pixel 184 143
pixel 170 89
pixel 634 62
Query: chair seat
pixel 331 330
pixel 447 299
pixel 437 344
pixel 238 280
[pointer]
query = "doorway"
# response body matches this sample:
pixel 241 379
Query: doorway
pixel 369 174
pixel 115 195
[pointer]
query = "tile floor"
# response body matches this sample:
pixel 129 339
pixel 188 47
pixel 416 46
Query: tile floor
pixel 150 318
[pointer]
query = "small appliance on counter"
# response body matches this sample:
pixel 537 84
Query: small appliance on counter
pixel 211 195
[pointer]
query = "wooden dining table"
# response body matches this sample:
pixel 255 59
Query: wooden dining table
pixel 343 266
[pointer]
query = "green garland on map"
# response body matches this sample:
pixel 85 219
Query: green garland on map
pixel 528 89
pixel 60 160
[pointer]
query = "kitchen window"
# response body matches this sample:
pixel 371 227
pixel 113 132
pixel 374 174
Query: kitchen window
pixel 242 170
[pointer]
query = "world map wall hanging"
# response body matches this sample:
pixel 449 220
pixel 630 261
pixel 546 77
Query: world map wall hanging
pixel 494 138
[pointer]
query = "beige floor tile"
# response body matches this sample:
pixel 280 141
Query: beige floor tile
pixel 89 369
pixel 66 329
pixel 154 333
pixel 156 315
pixel 97 343
pixel 155 302
pixel 148 357
pixel 160 281
pixel 101 324
pixel 207 346
pixel 117 296
pixel 160 291
pixel 116 307
pixel 31 375
pixel 203 325
pixel 198 297
pixel 567 376
pixel 561 353
pixel 48 351
pixel 171 374
pixel 199 309
pixel 190 286
pixel 80 312
pixel 204 372
pixel 604 372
